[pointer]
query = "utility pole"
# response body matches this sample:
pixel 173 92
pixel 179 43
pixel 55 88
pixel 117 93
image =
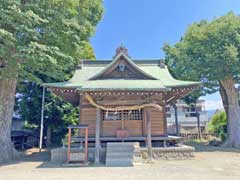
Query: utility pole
pixel 42 117
pixel 176 118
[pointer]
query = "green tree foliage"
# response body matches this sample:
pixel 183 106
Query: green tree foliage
pixel 58 114
pixel 46 38
pixel 40 40
pixel 218 125
pixel 209 52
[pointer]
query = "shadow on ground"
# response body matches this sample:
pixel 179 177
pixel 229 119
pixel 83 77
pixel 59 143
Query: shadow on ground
pixel 48 164
pixel 33 155
pixel 205 147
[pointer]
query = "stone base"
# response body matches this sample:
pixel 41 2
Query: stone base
pixel 59 155
pixel 170 153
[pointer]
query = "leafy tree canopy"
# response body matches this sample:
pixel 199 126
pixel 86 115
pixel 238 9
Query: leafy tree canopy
pixel 208 51
pixel 40 41
pixel 57 113
pixel 45 38
pixel 218 124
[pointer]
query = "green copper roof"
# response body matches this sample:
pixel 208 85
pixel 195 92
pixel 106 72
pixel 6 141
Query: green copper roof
pixel 115 60
pixel 90 69
pixel 123 84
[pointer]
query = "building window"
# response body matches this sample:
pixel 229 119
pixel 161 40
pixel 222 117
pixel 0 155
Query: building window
pixel 190 109
pixel 133 115
pixel 167 109
pixel 125 115
pixel 191 114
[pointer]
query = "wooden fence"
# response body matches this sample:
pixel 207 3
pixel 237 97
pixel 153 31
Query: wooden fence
pixel 195 136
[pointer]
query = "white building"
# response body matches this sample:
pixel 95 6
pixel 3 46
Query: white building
pixel 187 117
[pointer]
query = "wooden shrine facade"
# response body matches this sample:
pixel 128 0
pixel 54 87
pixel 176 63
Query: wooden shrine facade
pixel 133 121
pixel 122 98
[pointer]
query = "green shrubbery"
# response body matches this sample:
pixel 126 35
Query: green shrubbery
pixel 218 125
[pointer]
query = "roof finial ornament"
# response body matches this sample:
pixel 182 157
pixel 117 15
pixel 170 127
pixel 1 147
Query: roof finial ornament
pixel 162 64
pixel 122 49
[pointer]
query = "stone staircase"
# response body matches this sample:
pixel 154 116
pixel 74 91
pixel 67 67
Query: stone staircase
pixel 123 154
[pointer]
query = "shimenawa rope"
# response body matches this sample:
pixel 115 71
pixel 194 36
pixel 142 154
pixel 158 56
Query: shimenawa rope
pixel 121 108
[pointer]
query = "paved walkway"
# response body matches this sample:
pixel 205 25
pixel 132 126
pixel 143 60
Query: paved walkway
pixel 214 165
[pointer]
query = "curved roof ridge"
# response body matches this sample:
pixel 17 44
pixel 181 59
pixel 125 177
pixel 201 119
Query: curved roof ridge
pixel 116 58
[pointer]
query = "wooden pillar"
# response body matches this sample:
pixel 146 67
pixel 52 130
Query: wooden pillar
pixel 79 115
pixel 176 119
pixel 122 120
pixel 86 145
pixel 149 136
pixel 97 138
pixel 69 144
pixel 198 124
pixel 165 118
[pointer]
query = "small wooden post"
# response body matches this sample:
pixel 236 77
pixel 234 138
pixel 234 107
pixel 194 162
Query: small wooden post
pixel 79 109
pixel 86 145
pixel 164 143
pixel 97 138
pixel 149 137
pixel 122 120
pixel 198 124
pixel 69 144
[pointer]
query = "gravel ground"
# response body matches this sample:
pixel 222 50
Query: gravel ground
pixel 209 164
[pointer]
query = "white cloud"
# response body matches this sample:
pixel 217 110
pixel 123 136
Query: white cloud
pixel 213 104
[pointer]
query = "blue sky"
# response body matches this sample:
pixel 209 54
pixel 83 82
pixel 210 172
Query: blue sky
pixel 144 25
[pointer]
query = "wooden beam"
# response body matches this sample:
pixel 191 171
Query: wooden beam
pixel 176 118
pixel 117 93
pixel 97 138
pixel 165 117
pixel 179 95
pixel 122 120
pixel 144 123
pixel 149 136
pixel 80 108
pixel 86 145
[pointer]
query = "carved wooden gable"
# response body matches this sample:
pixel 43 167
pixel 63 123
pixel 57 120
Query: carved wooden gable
pixel 122 68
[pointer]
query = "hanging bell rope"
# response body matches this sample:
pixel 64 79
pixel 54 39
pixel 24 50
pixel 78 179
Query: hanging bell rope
pixel 121 108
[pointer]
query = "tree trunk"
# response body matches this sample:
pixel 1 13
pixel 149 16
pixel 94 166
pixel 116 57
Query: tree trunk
pixel 224 99
pixel 230 94
pixel 7 100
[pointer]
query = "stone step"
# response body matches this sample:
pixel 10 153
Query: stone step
pixel 122 154
pixel 122 144
pixel 117 152
pixel 119 164
pixel 121 148
pixel 119 157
